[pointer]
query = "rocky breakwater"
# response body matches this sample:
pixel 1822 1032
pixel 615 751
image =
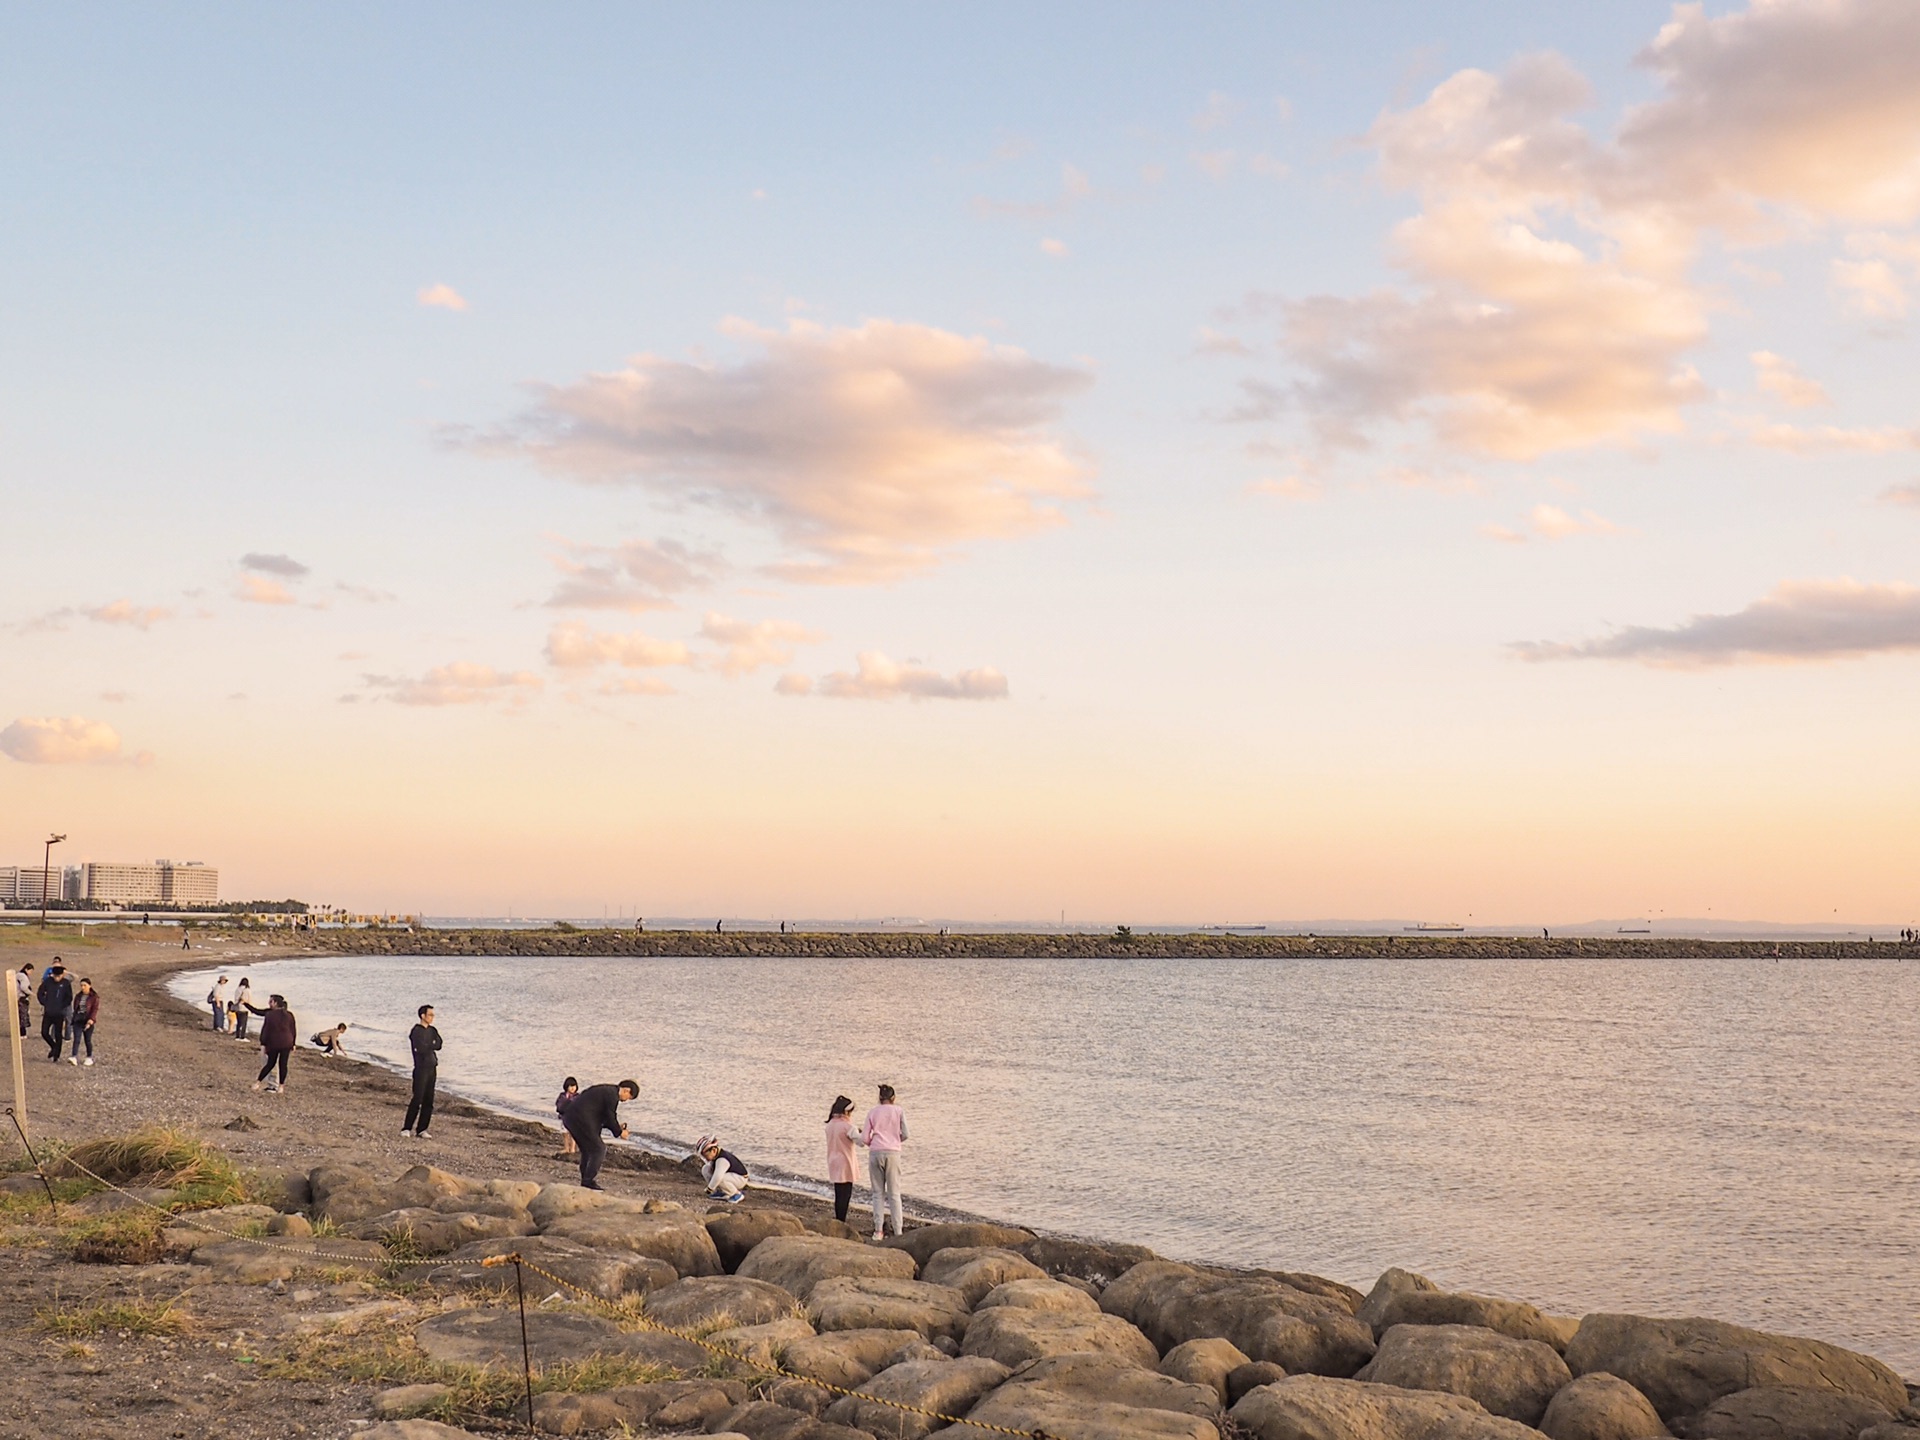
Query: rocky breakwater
pixel 774 1325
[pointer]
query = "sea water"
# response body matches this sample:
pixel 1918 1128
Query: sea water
pixel 1729 1138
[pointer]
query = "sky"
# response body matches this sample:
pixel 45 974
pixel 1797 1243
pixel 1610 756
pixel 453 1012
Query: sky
pixel 1215 463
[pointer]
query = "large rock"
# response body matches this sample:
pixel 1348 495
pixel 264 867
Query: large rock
pixel 974 1270
pixel 881 1302
pixel 1787 1412
pixel 665 1405
pixel 1601 1407
pixel 1511 1378
pixel 1318 1407
pixel 415 1430
pixel 1348 1298
pixel 718 1302
pixel 609 1274
pixel 799 1262
pixel 492 1337
pixel 421 1185
pixel 1393 1283
pixel 1094 1397
pixel 763 1420
pixel 560 1199
pixel 677 1238
pixel 1014 1335
pixel 434 1232
pixel 1039 1295
pixel 763 1345
pixel 853 1357
pixel 1266 1318
pixel 945 1387
pixel 1251 1376
pixel 404 1402
pixel 347 1193
pixel 1100 1265
pixel 925 1241
pixel 1683 1366
pixel 245 1263
pixel 1204 1362
pixel 1442 1307
pixel 736 1231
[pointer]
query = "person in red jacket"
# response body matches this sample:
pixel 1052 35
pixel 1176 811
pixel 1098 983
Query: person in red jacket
pixel 279 1033
pixel 86 1010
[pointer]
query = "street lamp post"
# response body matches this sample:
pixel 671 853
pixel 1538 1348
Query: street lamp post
pixel 46 875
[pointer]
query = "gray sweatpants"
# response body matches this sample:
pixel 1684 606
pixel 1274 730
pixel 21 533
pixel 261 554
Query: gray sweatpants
pixel 883 1174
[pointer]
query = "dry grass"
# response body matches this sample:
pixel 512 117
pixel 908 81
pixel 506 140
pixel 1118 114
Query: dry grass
pixel 118 1317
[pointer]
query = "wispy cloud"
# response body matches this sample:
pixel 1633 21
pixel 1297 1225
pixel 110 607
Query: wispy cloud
pixel 441 297
pixel 114 612
pixel 1075 190
pixel 634 576
pixel 746 645
pixel 872 452
pixel 1829 439
pixel 1216 114
pixel 1901 495
pixel 459 683
pixel 258 590
pixel 1801 620
pixel 1056 248
pixel 635 685
pixel 1286 487
pixel 60 740
pixel 1783 380
pixel 1550 522
pixel 573 646
pixel 285 566
pixel 875 677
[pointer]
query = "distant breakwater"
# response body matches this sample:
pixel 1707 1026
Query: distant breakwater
pixel 1041 946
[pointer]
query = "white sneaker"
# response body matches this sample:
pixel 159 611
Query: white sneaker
pixel 422 1135
pixel 406 1132
pixel 88 1060
pixel 72 1060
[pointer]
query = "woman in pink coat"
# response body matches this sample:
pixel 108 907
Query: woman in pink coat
pixel 840 1143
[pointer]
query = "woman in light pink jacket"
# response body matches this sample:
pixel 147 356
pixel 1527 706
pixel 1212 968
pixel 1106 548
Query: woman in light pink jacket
pixel 883 1135
pixel 840 1143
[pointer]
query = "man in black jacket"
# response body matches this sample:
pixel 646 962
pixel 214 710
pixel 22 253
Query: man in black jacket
pixel 56 1003
pixel 597 1109
pixel 426 1071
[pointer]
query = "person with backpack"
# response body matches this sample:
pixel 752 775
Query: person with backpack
pixel 279 1033
pixel 217 1002
pixel 86 1010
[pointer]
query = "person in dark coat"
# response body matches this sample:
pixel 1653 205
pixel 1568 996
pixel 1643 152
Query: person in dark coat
pixel 426 1072
pixel 279 1033
pixel 597 1109
pixel 56 1004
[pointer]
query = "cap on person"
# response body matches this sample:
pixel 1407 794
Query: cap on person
pixel 707 1142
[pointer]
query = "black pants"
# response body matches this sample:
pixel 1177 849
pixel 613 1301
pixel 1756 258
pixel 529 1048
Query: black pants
pixel 274 1057
pixel 53 1030
pixel 23 1015
pixel 241 1018
pixel 420 1108
pixel 593 1150
pixel 842 1198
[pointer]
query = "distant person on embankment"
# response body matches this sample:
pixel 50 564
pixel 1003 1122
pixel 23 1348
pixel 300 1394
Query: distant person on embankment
pixel 279 1033
pixel 56 1003
pixel 597 1109
pixel 883 1135
pixel 724 1171
pixel 840 1143
pixel 425 1041
pixel 86 1010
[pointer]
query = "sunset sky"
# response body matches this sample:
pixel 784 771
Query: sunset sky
pixel 1175 463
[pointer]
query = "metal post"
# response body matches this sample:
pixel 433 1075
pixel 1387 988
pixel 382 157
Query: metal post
pixel 526 1357
pixel 46 875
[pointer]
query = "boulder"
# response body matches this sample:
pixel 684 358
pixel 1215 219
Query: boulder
pixel 1443 1307
pixel 1204 1362
pixel 925 1241
pixel 1787 1412
pixel 763 1345
pixel 403 1402
pixel 1013 1335
pixel 801 1395
pixel 665 1404
pixel 286 1190
pixel 1601 1407
pixel 1895 1431
pixel 974 1270
pixel 677 1238
pixel 718 1302
pixel 516 1194
pixel 1318 1407
pixel 1094 1397
pixel 433 1232
pixel 561 1199
pixel 1393 1282
pixel 735 1231
pixel 852 1357
pixel 1101 1265
pixel 1683 1366
pixel 763 1420
pixel 1510 1378
pixel 799 1262
pixel 294 1227
pixel 1251 1376
pixel 946 1387
pixel 249 1264
pixel 880 1302
pixel 421 1185
pixel 1040 1295
pixel 492 1337
pixel 1266 1318
pixel 827 1225
pixel 346 1193
pixel 609 1274
pixel 415 1430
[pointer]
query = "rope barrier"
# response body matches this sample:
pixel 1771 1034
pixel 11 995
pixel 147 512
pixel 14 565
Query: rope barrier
pixel 520 1263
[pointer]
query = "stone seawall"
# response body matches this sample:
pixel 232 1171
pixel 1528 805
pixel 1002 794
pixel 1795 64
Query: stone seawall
pixel 910 944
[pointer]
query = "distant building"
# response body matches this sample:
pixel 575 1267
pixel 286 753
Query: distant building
pixel 72 884
pixel 122 884
pixel 32 880
pixel 189 883
pixel 9 883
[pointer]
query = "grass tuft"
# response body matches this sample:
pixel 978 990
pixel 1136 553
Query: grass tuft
pixel 121 1317
pixel 199 1176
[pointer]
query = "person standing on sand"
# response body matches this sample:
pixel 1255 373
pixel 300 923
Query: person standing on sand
pixel 569 1092
pixel 56 1003
pixel 597 1109
pixel 883 1135
pixel 23 991
pixel 840 1143
pixel 242 1007
pixel 217 998
pixel 425 1041
pixel 86 1010
pixel 279 1033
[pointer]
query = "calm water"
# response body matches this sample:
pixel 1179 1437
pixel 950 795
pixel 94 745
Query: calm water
pixel 1735 1139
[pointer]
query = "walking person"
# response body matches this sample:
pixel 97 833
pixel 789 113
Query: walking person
pixel 569 1092
pixel 840 1142
pixel 86 1010
pixel 425 1041
pixel 724 1171
pixel 883 1135
pixel 242 1007
pixel 597 1109
pixel 56 1004
pixel 279 1033
pixel 217 999
pixel 23 994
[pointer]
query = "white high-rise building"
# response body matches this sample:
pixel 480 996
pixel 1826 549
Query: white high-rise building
pixel 31 880
pixel 9 883
pixel 121 884
pixel 189 882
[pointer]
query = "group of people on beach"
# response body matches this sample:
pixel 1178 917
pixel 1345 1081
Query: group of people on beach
pixel 69 1009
